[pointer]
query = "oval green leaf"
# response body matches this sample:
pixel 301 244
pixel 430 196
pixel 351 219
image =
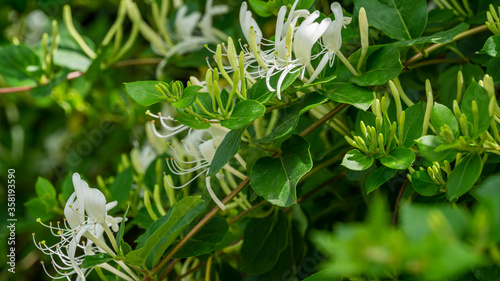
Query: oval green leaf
pixel 264 240
pixel 382 64
pixel 121 186
pixel 360 97
pixel 44 189
pixel 275 179
pixel 357 161
pixel 478 94
pixel 161 233
pixel 205 240
pixel 144 92
pixel 441 115
pixel 399 19
pixel 464 176
pixel 226 150
pixel 423 184
pixel 492 46
pixel 400 158
pixel 20 66
pixel 414 120
pixel 378 177
pixel 244 113
pixel 427 146
pixel 188 97
pixel 190 121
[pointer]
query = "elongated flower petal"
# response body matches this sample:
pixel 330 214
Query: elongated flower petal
pixel 307 34
pixel 95 205
pixel 247 21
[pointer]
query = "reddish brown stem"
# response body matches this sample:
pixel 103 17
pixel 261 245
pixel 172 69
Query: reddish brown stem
pixel 396 205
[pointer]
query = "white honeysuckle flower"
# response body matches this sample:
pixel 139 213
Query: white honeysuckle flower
pixel 303 37
pixel 293 43
pixel 332 38
pixel 308 33
pixel 196 145
pixel 285 31
pixel 185 24
pixel 279 59
pixel 141 158
pixel 192 31
pixel 206 23
pixel 85 217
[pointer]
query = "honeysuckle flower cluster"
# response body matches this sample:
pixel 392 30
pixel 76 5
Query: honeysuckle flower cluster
pixel 190 33
pixel 196 152
pixel 82 234
pixel 189 38
pixel 292 47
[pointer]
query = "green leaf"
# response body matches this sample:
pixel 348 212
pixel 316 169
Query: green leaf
pixel 445 36
pixel 464 176
pixel 413 127
pixel 264 240
pixel 378 177
pixel 489 273
pixel 493 69
pixel 357 161
pixel 71 59
pixel 161 233
pixel 492 46
pixel 226 150
pixel 355 95
pixel 423 184
pixel 20 65
pixel 382 63
pixel 289 121
pixel 260 7
pixel 447 82
pixel 399 19
pixel 244 113
pixel 441 115
pixel 205 240
pixel 275 179
pixel 44 189
pixel 91 261
pixel 67 186
pixel 323 275
pixel 121 186
pixel 417 223
pixel 488 194
pixel 188 97
pixel 304 4
pixel 144 92
pixel 121 231
pixel 400 159
pixel 479 94
pixel 38 208
pixel 261 93
pixel 46 89
pixel 427 146
pixel 190 121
